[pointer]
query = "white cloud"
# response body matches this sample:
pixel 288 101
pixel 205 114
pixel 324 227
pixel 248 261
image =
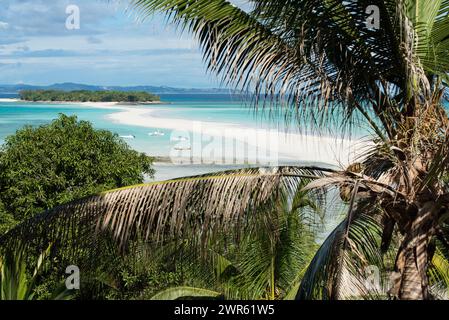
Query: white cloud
pixel 111 48
pixel 4 25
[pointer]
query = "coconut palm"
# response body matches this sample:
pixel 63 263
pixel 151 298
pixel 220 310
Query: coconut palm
pixel 381 63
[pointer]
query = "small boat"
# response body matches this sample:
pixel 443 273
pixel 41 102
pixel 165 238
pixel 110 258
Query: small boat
pixel 131 136
pixel 156 134
pixel 180 138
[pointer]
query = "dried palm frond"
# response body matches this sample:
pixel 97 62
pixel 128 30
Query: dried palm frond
pixel 195 208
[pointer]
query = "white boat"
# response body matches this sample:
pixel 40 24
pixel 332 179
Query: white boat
pixel 156 134
pixel 131 136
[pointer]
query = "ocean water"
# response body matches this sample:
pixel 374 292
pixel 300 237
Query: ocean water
pixel 210 108
pixel 222 108
pixel 214 107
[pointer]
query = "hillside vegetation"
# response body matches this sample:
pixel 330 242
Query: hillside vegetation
pixel 87 96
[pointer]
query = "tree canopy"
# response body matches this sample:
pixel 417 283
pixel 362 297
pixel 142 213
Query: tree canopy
pixel 87 96
pixel 43 167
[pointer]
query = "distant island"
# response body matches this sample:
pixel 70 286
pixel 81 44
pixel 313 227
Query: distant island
pixel 88 96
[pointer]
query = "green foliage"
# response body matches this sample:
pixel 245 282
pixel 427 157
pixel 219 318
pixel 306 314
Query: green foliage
pixel 44 167
pixel 85 96
pixel 7 220
pixel 142 285
pixel 272 260
pixel 267 263
pixel 140 274
pixel 15 281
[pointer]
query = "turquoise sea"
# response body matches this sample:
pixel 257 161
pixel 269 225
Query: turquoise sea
pixel 213 107
pixel 220 108
pixel 14 115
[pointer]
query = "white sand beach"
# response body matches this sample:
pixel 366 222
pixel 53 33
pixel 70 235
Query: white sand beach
pixel 263 145
pixel 9 100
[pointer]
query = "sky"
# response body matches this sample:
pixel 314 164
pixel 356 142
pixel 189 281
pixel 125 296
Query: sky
pixel 113 46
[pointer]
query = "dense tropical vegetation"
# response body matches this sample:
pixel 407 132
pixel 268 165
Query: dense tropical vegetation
pixel 319 61
pixel 16 283
pixel 87 96
pixel 46 166
pixel 266 264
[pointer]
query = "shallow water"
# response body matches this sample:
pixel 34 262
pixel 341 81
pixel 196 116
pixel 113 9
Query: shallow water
pixel 212 108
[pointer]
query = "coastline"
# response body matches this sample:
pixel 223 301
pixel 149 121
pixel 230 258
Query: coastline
pixel 90 103
pixel 290 147
pixel 9 100
pixel 297 147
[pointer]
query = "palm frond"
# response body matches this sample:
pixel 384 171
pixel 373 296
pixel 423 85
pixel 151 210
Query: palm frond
pixel 287 52
pixel 317 60
pixel 337 270
pixel 439 272
pixel 268 261
pixel 195 208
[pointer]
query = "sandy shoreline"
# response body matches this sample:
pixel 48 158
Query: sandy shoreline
pixel 262 144
pixel 287 146
pixel 9 100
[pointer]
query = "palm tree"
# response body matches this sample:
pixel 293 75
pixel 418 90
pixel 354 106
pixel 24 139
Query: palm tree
pixel 321 62
pixel 266 264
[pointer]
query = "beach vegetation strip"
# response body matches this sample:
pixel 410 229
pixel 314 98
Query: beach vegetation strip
pixel 87 96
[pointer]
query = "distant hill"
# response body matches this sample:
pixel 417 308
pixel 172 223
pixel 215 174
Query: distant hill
pixel 68 86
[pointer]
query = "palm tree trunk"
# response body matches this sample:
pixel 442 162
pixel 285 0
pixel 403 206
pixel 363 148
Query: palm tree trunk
pixel 412 259
pixel 412 265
